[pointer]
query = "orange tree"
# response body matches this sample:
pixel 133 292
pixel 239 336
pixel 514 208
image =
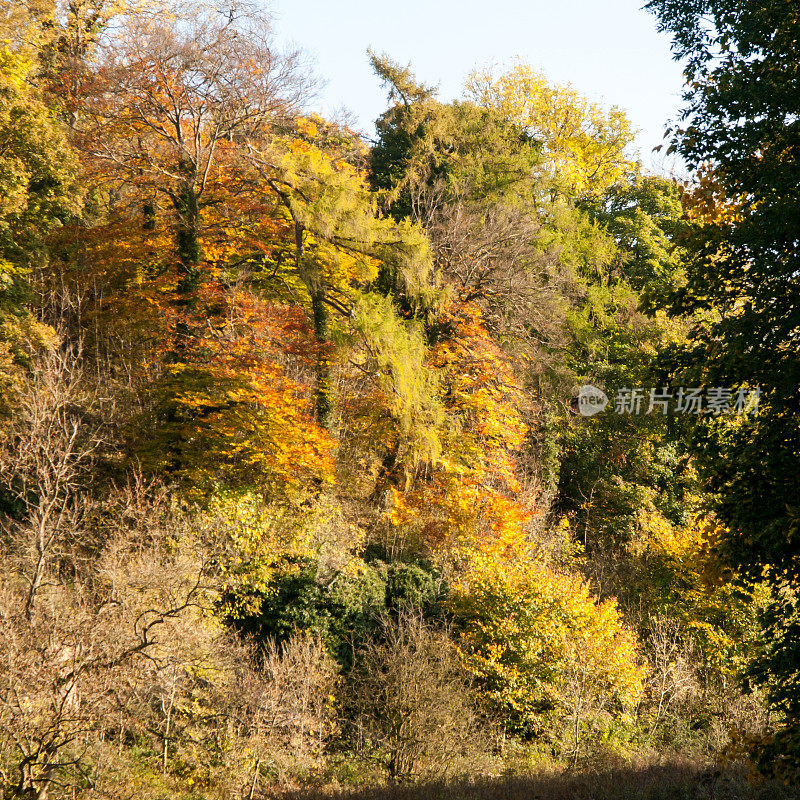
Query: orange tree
pixel 468 495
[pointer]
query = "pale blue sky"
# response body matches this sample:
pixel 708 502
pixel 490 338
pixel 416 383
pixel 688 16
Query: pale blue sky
pixel 608 49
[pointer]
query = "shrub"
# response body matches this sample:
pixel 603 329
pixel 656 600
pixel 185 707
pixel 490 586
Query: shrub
pixel 542 649
pixel 411 701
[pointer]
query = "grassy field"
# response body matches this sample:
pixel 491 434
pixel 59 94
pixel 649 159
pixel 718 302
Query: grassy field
pixel 671 782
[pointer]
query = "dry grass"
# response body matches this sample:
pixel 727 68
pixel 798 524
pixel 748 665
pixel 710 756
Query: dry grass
pixel 670 782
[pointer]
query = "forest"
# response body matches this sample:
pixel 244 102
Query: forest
pixel 460 461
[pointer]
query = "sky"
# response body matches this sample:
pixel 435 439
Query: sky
pixel 609 50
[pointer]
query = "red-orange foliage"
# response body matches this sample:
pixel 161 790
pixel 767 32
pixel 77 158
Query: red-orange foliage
pixel 233 407
pixel 470 496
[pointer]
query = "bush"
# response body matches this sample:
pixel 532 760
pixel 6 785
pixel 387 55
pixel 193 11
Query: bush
pixel 544 652
pixel 411 703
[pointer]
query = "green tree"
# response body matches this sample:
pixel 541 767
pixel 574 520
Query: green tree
pixel 644 215
pixel 741 124
pixel 616 467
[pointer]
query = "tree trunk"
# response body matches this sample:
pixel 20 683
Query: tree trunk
pixel 187 242
pixel 313 282
pixel 188 233
pixel 323 369
pixel 41 561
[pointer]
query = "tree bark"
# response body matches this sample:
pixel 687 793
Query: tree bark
pixel 188 233
pixel 319 310
pixel 323 368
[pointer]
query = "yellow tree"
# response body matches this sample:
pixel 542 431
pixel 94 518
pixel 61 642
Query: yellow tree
pixel 583 145
pixel 37 194
pixel 337 240
pixel 542 647
pixel 468 496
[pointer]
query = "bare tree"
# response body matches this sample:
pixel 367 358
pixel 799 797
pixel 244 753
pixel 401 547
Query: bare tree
pixel 72 620
pixel 62 675
pixel 46 455
pixel 412 701
pixel 282 703
pixel 671 677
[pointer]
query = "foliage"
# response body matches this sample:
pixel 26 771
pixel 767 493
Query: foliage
pixel 343 606
pixel 37 169
pixel 395 352
pixel 582 145
pixel 740 126
pixel 645 216
pixel 226 416
pixel 541 647
pixel 296 493
pixel 37 193
pixel 466 496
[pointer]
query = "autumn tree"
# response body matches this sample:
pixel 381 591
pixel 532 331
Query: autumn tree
pixel 173 89
pixel 542 648
pixel 469 495
pixel 173 96
pixel 37 184
pixel 338 242
pixel 583 145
